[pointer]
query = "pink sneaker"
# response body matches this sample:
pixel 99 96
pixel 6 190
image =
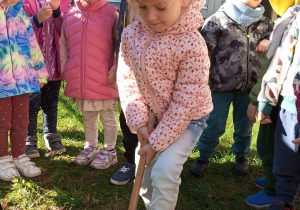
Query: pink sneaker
pixel 87 155
pixel 105 159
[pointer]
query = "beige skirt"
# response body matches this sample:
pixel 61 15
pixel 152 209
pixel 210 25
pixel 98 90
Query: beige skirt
pixel 96 105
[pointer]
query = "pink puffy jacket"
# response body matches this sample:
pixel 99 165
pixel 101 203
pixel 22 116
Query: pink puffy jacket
pixel 48 35
pixel 166 72
pixel 87 50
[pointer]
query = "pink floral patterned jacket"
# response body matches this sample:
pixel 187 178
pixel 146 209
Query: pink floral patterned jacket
pixel 167 73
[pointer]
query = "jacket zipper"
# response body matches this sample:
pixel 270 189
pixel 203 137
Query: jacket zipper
pixel 82 52
pixel 12 66
pixel 47 50
pixel 148 88
pixel 247 71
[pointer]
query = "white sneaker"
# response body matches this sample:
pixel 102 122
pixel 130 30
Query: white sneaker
pixel 26 167
pixel 7 169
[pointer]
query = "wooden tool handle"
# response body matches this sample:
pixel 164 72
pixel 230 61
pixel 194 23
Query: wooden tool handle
pixel 141 167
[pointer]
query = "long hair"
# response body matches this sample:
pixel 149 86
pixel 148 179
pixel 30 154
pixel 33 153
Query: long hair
pixel 134 8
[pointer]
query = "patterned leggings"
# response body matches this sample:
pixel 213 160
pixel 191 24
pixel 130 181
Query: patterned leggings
pixel 14 118
pixel 110 127
pixel 47 101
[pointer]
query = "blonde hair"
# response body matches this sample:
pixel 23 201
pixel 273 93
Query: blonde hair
pixel 134 7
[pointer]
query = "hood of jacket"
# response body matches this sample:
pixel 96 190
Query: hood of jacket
pixel 189 20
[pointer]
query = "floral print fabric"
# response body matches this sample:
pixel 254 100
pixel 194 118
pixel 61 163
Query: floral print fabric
pixel 174 64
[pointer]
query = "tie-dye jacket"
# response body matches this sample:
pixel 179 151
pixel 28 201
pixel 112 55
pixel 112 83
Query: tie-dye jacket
pixel 282 77
pixel 21 60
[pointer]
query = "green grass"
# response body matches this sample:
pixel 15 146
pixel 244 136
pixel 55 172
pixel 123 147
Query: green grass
pixel 64 184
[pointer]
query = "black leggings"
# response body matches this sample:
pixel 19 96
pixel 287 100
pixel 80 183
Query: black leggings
pixel 130 140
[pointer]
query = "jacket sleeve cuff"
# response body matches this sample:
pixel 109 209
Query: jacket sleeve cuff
pixel 36 22
pixel 141 125
pixel 264 108
pixel 56 13
pixel 253 102
pixel 44 81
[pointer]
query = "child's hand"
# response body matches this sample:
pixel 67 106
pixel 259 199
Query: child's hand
pixel 42 85
pixel 296 141
pixel 149 152
pixel 263 118
pixel 44 14
pixel 8 3
pixel 112 76
pixel 262 45
pixel 142 134
pixel 251 112
pixel 54 4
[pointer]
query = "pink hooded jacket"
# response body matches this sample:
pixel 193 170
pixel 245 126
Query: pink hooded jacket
pixel 47 35
pixel 166 72
pixel 87 50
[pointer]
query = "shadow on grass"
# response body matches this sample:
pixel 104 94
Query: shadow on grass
pixel 78 135
pixel 79 187
pixel 4 188
pixel 219 188
pixel 222 152
pixel 72 110
pixel 82 187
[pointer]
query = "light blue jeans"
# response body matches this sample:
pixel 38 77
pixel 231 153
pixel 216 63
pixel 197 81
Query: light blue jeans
pixel 161 180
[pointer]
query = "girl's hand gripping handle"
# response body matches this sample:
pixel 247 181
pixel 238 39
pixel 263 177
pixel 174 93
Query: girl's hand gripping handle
pixel 141 167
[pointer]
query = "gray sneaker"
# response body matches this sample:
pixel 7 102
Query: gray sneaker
pixel 31 147
pixel 53 142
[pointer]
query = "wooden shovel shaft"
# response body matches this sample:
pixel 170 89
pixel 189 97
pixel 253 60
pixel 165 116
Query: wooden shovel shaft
pixel 141 167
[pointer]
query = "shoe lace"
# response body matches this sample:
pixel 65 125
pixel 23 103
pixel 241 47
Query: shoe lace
pixel 124 169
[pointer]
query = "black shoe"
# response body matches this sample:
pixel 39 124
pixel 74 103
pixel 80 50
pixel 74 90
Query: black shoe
pixel 241 165
pixel 281 205
pixel 31 147
pixel 199 167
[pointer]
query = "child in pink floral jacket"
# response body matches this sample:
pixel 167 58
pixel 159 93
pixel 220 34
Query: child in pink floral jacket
pixel 164 67
pixel 46 19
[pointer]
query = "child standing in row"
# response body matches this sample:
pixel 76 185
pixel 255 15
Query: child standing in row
pixel 280 87
pixel 21 72
pixel 88 64
pixel 46 21
pixel 235 36
pixel 130 140
pixel 267 129
pixel 164 68
pixel 265 147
